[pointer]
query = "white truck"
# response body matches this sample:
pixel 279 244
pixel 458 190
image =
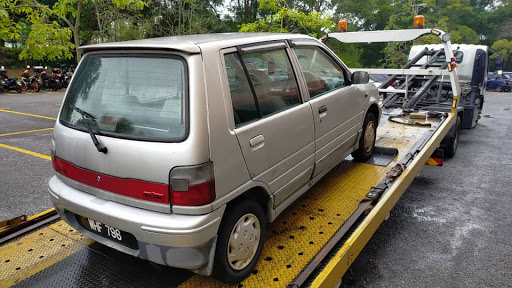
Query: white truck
pixel 472 62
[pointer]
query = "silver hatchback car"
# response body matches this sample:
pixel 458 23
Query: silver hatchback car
pixel 179 150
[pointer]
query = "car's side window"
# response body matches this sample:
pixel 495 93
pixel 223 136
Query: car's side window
pixel 322 74
pixel 273 80
pixel 244 105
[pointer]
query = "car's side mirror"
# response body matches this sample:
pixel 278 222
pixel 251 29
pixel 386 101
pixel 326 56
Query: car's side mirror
pixel 360 77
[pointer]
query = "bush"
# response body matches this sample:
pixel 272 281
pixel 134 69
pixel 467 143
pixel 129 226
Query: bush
pixel 9 57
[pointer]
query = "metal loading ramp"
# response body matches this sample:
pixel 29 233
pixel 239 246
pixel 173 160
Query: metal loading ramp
pixel 58 256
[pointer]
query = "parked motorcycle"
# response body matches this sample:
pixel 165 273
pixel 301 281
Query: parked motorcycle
pixel 29 82
pixel 8 83
pixel 56 76
pixel 67 73
pixel 48 81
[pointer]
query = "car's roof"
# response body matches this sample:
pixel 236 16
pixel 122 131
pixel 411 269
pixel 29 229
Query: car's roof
pixel 191 43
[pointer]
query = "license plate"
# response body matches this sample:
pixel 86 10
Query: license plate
pixel 108 231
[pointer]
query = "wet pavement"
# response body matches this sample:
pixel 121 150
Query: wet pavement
pixel 26 123
pixel 452 227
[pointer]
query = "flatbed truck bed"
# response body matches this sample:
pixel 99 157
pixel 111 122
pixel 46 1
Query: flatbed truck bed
pixel 312 243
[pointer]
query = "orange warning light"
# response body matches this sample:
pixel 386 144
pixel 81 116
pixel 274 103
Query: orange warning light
pixel 342 26
pixel 419 22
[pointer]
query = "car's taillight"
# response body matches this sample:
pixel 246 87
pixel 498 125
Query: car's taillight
pixel 192 185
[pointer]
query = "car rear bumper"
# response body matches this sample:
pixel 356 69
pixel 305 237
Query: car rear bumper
pixel 182 241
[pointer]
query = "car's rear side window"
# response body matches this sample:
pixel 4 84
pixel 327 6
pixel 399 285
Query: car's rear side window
pixel 261 84
pixel 273 80
pixel 141 97
pixel 244 105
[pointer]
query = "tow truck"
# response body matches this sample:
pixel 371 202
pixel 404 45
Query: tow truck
pixel 311 244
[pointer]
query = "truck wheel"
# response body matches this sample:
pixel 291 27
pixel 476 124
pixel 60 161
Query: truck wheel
pixel 240 241
pixel 498 88
pixel 367 140
pixel 451 147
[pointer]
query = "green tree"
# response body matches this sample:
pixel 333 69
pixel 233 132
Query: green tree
pixel 503 47
pixel 180 17
pixel 44 39
pixel 48 39
pixel 283 19
pixel 70 12
pixel 9 11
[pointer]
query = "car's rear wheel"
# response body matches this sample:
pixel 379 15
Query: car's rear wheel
pixel 367 140
pixel 240 241
pixel 498 88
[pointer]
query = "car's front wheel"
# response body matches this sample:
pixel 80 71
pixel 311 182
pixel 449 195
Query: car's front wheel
pixel 367 140
pixel 240 241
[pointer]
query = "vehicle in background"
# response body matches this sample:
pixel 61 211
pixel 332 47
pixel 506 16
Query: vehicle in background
pixel 29 82
pixel 57 78
pixel 48 81
pixel 8 83
pixel 67 73
pixel 499 82
pixel 378 79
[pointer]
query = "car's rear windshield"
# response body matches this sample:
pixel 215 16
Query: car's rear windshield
pixel 140 97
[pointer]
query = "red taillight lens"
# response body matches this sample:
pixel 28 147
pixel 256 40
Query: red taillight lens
pixel 197 195
pixel 192 185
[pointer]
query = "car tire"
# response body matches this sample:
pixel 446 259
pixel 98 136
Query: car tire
pixel 243 226
pixel 451 147
pixel 498 88
pixel 367 139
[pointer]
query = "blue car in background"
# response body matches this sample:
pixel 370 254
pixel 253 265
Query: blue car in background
pixel 499 82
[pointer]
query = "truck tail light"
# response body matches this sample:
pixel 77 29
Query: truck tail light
pixel 192 185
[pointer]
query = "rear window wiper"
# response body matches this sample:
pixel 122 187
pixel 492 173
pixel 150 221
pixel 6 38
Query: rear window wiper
pixel 85 115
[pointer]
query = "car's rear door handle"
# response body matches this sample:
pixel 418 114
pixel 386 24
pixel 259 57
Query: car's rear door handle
pixel 322 112
pixel 257 141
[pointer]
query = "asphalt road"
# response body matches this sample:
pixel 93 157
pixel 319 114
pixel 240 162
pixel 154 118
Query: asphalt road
pixel 24 177
pixel 453 227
